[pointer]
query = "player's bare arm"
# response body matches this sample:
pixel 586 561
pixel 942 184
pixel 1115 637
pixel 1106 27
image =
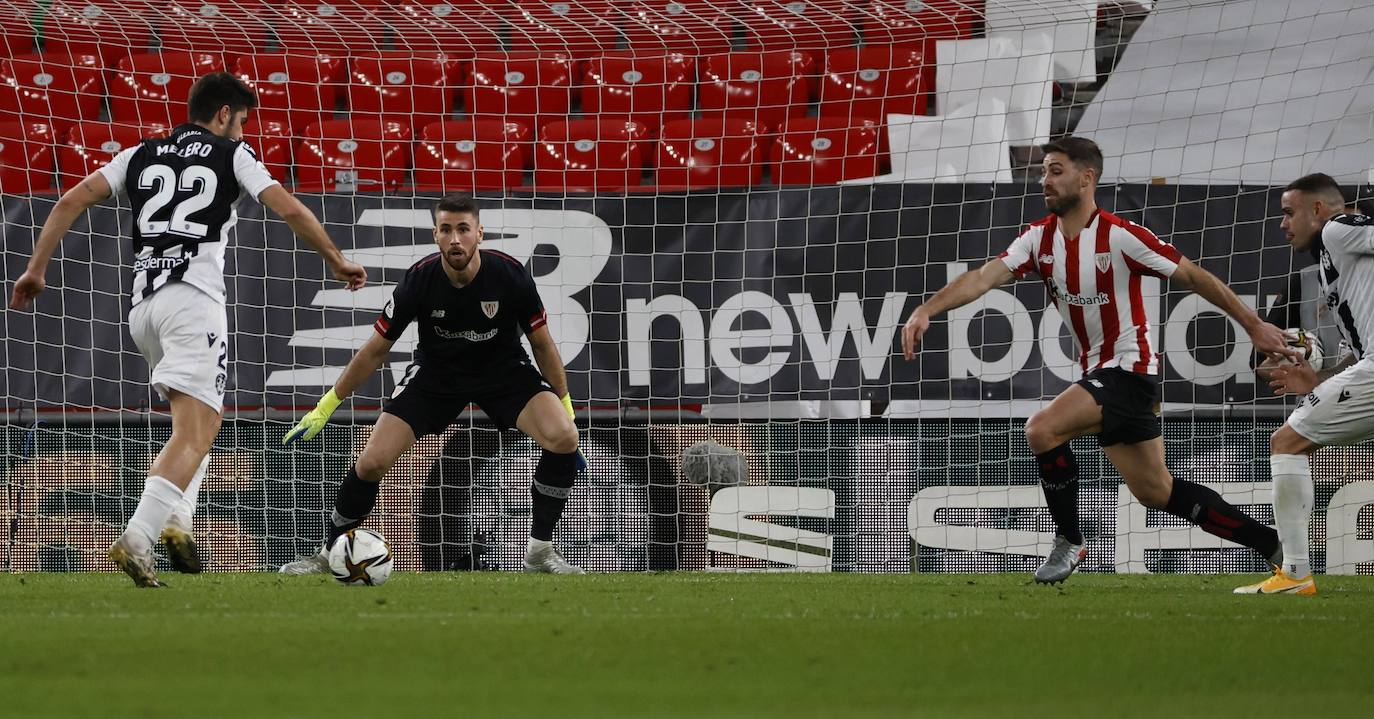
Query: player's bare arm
pixel 92 191
pixel 964 289
pixel 302 222
pixel 548 360
pixel 1266 337
pixel 367 360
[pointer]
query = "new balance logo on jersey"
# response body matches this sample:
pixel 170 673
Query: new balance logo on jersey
pixel 437 314
pixel 1046 259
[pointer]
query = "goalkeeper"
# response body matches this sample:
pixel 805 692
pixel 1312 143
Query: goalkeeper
pixel 472 306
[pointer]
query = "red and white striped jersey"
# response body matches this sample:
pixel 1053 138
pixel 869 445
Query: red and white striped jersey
pixel 1098 280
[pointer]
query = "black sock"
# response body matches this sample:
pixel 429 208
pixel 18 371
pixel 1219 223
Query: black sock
pixel 1059 479
pixel 1205 508
pixel 354 502
pixel 553 481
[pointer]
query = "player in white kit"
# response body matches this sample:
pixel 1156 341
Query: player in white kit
pixel 182 189
pixel 1338 408
pixel 1098 269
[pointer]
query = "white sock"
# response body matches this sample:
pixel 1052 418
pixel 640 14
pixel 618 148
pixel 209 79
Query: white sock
pixel 159 499
pixel 1293 496
pixel 536 545
pixel 186 508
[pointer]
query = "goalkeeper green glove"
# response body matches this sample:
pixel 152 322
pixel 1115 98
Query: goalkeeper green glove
pixel 567 405
pixel 314 421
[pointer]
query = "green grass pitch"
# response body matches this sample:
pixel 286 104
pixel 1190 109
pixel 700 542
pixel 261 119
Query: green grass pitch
pixel 680 645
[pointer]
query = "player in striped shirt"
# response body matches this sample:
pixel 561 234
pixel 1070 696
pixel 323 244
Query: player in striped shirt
pixel 1338 406
pixel 1098 269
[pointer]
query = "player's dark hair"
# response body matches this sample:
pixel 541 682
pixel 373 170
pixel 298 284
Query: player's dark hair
pixel 1318 183
pixel 457 203
pixel 1080 150
pixel 213 91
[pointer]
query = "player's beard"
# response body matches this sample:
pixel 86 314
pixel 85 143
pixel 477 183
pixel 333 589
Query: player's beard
pixel 457 263
pixel 1063 204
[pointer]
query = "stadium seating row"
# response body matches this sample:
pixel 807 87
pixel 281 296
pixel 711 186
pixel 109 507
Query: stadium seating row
pixel 113 28
pixel 597 154
pixel 296 90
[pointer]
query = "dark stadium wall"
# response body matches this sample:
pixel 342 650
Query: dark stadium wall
pixel 670 298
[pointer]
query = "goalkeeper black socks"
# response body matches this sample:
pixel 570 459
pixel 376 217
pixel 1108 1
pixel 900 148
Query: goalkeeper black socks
pixel 353 504
pixel 1205 508
pixel 553 481
pixel 1059 479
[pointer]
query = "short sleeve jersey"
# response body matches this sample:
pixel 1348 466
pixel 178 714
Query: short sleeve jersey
pixel 470 330
pixel 1345 257
pixel 183 189
pixel 1098 282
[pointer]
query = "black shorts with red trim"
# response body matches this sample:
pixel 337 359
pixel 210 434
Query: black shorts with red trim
pixel 1130 404
pixel 430 401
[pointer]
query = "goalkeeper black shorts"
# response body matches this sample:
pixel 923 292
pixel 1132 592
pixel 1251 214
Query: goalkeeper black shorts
pixel 429 401
pixel 1130 405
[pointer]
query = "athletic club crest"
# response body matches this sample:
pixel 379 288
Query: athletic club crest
pixel 1103 260
pixel 489 308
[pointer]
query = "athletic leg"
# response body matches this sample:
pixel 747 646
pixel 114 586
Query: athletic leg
pixel 545 421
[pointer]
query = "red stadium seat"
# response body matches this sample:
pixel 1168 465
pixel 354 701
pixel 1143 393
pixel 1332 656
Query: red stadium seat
pixel 470 155
pixel 151 88
pixel 89 146
pixel 272 141
pixel 339 27
pixel 649 90
pixel 426 26
pixel 695 154
pixel 763 87
pixel 912 21
pixel 58 89
pixel 693 27
pixel 581 28
pixel 824 151
pixel 26 157
pixel 292 89
pixel 798 24
pixel 589 155
pixel 111 30
pixel 413 88
pixel 236 28
pixel 344 155
pixel 521 87
pixel 16 32
pixel 870 82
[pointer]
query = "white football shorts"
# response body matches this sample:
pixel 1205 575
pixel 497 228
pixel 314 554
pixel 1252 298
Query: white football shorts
pixel 1340 411
pixel 183 333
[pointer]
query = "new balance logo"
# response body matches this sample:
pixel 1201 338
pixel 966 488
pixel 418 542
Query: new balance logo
pixel 1345 395
pixel 437 314
pixel 1046 259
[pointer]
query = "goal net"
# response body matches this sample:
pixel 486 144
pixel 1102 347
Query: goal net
pixel 730 207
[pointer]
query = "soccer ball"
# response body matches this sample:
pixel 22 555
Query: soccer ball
pixel 360 557
pixel 1308 343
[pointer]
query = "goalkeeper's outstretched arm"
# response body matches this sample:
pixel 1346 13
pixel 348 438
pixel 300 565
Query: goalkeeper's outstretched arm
pixel 370 357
